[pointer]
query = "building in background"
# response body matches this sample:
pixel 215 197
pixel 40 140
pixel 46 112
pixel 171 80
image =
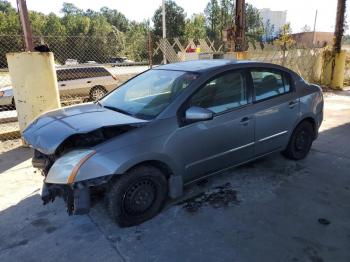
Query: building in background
pixel 273 22
pixel 310 39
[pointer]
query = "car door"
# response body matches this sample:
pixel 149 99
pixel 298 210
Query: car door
pixel 276 109
pixel 226 140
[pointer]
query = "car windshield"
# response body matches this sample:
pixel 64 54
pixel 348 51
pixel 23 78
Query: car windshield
pixel 146 95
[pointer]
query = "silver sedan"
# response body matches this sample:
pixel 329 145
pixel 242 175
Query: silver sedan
pixel 169 127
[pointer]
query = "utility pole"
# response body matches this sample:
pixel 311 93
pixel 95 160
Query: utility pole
pixel 240 26
pixel 314 34
pixel 27 30
pixel 339 26
pixel 164 30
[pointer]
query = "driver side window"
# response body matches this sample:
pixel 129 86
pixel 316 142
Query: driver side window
pixel 222 93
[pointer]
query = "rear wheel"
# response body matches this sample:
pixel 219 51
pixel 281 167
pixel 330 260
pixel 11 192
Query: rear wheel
pixel 137 196
pixel 97 92
pixel 300 142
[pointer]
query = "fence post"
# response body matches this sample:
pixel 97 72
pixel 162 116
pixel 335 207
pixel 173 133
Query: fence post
pixel 150 50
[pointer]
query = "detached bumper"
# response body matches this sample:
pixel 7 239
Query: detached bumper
pixel 77 199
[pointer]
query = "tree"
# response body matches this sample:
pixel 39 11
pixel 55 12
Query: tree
pixel 285 40
pixel 212 13
pixel 305 28
pixel 70 9
pixel 254 24
pixel 137 41
pixel 269 31
pixel 195 27
pixel 175 20
pixel 115 18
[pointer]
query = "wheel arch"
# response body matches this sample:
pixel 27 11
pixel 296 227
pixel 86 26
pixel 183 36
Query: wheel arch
pixel 312 121
pixel 174 179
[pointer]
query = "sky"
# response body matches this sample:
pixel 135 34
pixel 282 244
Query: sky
pixel 299 12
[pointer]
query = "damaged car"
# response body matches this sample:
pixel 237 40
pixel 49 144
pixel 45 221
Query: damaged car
pixel 169 127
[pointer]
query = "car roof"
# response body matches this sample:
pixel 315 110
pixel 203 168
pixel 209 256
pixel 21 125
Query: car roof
pixel 77 67
pixel 202 65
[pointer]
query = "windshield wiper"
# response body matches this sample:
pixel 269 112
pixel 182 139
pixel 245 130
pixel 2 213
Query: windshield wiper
pixel 117 110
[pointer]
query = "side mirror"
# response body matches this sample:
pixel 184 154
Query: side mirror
pixel 195 113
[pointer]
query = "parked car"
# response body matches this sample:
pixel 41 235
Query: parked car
pixel 70 62
pixel 91 81
pixel 6 97
pixel 169 127
pixel 85 81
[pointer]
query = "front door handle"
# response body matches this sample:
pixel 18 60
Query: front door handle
pixel 63 85
pixel 293 103
pixel 88 82
pixel 245 120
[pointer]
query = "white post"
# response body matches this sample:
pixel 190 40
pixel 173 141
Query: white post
pixel 164 30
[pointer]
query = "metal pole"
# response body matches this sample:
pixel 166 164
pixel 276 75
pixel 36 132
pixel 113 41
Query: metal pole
pixel 240 26
pixel 164 29
pixel 339 26
pixel 314 34
pixel 27 30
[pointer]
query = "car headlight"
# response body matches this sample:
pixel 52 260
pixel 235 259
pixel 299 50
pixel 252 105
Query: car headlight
pixel 66 168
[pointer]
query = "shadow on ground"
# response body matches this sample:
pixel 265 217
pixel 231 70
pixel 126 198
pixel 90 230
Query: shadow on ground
pixel 13 157
pixel 267 210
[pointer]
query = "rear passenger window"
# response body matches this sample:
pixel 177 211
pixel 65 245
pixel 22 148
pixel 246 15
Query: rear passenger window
pixel 81 73
pixel 225 92
pixel 269 84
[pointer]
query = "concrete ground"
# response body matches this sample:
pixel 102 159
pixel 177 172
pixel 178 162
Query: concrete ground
pixel 270 210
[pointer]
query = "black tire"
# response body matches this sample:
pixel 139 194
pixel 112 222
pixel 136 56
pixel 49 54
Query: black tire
pixel 300 142
pixel 137 196
pixel 97 92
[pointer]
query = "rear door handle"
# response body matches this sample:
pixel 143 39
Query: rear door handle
pixel 88 82
pixel 63 85
pixel 293 103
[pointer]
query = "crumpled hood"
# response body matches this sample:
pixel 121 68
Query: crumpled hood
pixel 49 130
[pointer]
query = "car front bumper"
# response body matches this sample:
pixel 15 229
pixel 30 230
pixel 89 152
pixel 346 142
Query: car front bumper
pixel 77 199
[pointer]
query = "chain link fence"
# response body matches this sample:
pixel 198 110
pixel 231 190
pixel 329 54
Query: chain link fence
pixel 86 67
pixel 89 67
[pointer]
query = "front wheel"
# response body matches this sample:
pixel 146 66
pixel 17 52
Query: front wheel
pixel 97 92
pixel 137 196
pixel 300 142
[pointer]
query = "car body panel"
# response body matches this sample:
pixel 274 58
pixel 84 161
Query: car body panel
pixel 48 131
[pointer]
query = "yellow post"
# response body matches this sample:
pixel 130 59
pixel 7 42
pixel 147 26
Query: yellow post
pixel 333 69
pixel 243 55
pixel 34 83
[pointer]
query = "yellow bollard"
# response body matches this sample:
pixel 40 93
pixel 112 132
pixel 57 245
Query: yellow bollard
pixel 34 83
pixel 333 69
pixel 242 55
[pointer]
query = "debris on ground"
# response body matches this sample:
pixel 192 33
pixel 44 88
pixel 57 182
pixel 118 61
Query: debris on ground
pixel 218 197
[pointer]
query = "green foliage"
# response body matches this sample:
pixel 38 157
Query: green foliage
pixel 213 16
pixel 100 35
pixel 285 39
pixel 254 24
pixel 175 20
pixel 196 27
